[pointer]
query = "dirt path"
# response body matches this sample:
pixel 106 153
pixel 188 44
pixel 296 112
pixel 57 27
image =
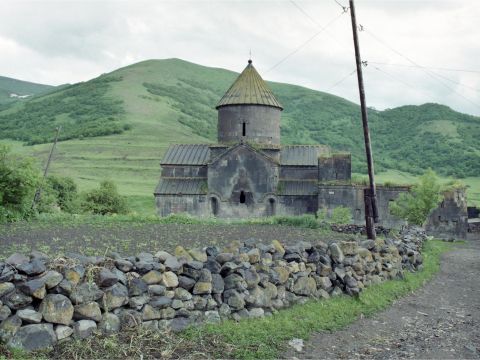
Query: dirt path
pixel 439 321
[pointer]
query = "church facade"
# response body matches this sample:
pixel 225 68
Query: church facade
pixel 248 173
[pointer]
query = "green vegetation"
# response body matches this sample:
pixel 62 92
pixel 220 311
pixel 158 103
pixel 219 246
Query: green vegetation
pixel 65 192
pixel 82 110
pixel 105 200
pixel 19 179
pixel 172 101
pixel 340 215
pixel 420 201
pixel 9 87
pixel 252 339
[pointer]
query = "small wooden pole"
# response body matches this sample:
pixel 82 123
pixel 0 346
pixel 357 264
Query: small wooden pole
pixel 45 173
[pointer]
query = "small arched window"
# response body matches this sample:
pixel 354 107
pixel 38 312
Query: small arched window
pixel 244 129
pixel 242 197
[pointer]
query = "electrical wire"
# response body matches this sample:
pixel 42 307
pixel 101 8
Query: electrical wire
pixel 424 69
pixel 300 47
pixel 427 67
pixel 341 80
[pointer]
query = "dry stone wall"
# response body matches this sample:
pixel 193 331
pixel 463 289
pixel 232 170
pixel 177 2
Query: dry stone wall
pixel 43 300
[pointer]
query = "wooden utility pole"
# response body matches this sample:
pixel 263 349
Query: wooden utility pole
pixel 370 194
pixel 39 190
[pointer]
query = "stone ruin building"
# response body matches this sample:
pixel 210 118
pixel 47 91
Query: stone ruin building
pixel 248 173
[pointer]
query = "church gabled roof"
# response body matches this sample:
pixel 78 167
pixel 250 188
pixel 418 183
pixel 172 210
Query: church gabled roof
pixel 302 155
pixel 186 154
pixel 249 89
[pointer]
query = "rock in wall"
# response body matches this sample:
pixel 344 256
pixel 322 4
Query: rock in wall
pixel 45 300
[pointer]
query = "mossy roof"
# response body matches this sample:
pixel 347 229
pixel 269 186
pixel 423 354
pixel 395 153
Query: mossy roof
pixel 249 89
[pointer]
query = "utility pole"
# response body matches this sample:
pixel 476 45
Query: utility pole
pixel 39 190
pixel 370 194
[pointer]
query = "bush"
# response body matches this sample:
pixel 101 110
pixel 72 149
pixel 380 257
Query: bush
pixel 104 200
pixel 341 215
pixel 65 191
pixel 19 179
pixel 416 205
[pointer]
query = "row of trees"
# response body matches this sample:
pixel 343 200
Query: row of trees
pixel 20 178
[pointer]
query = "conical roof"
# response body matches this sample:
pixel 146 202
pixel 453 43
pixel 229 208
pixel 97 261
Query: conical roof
pixel 249 89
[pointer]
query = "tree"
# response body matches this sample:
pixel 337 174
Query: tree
pixel 416 205
pixel 65 191
pixel 19 179
pixel 105 200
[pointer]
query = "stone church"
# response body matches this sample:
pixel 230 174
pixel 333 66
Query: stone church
pixel 248 173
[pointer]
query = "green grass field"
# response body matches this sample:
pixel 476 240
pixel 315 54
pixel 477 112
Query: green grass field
pixel 184 113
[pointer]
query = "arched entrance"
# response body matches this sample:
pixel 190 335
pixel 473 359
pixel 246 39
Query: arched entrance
pixel 271 207
pixel 243 197
pixel 214 205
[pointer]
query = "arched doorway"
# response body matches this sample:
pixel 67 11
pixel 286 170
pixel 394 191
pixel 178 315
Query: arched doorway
pixel 243 197
pixel 271 205
pixel 214 205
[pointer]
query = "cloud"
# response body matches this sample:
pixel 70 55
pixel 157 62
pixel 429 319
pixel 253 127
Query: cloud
pixel 68 41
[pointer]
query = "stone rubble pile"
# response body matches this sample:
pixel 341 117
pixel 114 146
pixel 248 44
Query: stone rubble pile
pixel 43 301
pixel 358 229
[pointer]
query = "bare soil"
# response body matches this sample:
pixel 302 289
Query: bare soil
pixel 439 321
pixel 130 238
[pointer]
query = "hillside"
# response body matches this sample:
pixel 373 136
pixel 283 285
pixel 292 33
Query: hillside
pixel 12 90
pixel 157 102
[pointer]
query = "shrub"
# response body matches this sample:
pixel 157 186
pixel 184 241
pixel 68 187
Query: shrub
pixel 104 200
pixel 65 191
pixel 19 179
pixel 341 215
pixel 423 198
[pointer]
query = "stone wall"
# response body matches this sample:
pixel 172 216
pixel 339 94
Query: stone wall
pixel 295 205
pixel 262 124
pixel 43 301
pixel 197 205
pixel 450 220
pixel 335 167
pixel 351 196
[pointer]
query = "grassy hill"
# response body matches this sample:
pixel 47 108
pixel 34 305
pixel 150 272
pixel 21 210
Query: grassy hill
pixel 147 106
pixel 12 90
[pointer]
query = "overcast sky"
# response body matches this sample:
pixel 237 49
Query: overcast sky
pixel 56 42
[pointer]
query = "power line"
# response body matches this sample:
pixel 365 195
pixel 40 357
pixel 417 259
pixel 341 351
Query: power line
pixel 395 77
pixel 429 73
pixel 302 10
pixel 341 80
pixel 427 67
pixel 344 8
pixel 304 43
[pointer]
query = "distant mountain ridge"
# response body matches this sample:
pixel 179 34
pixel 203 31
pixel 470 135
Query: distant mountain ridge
pixel 157 102
pixel 12 90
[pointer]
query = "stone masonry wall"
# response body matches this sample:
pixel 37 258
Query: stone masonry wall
pixel 43 300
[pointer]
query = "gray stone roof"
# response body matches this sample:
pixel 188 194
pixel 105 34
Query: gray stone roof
pixel 181 186
pixel 249 89
pixel 297 187
pixel 187 154
pixel 302 155
pixel 199 154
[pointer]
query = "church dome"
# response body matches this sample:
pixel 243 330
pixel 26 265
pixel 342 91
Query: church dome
pixel 249 89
